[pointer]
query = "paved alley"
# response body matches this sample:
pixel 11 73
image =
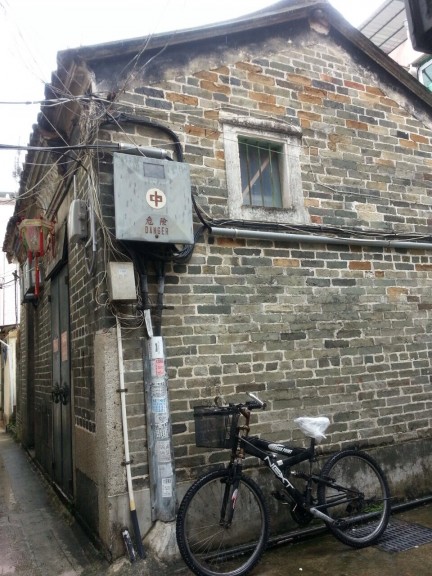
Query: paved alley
pixel 38 537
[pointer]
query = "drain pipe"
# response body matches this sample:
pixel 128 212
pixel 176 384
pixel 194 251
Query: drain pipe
pixel 312 239
pixel 11 378
pixel 122 391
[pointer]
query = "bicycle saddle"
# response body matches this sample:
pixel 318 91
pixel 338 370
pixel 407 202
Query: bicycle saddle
pixel 313 427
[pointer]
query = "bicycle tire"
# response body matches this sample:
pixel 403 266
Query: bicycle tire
pixel 211 549
pixel 354 492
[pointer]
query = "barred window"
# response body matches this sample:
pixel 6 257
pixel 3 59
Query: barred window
pixel 260 173
pixel 262 159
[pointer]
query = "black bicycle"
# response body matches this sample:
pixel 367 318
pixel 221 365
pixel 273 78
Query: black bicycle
pixel 223 520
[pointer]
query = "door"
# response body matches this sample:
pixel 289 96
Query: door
pixel 61 385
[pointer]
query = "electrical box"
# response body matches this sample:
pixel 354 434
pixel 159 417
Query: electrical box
pixel 77 221
pixel 121 281
pixel 152 200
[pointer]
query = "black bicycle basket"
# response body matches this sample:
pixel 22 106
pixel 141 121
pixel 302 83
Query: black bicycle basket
pixel 215 427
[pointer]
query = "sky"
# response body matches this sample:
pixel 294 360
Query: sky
pixel 33 31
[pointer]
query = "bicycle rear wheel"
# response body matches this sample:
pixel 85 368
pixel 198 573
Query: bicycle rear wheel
pixel 354 492
pixel 211 545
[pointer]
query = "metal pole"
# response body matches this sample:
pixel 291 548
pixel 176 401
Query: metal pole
pixel 161 461
pixel 122 391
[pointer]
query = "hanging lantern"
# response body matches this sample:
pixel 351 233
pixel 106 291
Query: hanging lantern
pixel 34 233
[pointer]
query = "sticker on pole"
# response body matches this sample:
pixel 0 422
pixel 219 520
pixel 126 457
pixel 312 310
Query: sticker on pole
pixel 162 431
pixel 163 450
pixel 155 347
pixel 159 405
pixel 158 367
pixel 167 484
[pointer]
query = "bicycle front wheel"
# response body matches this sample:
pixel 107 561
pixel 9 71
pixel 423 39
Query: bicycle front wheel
pixel 354 493
pixel 215 539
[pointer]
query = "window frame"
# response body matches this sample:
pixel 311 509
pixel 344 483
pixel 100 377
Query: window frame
pixel 280 133
pixel 421 73
pixel 253 150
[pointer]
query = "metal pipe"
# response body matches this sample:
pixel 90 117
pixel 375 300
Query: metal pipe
pixel 315 239
pixel 122 391
pixel 159 433
pixel 147 151
pixel 12 383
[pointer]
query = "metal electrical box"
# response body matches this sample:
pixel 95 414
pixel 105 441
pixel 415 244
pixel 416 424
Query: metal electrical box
pixel 121 281
pixel 152 200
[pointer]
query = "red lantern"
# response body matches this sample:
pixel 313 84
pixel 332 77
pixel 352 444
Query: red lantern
pixel 34 233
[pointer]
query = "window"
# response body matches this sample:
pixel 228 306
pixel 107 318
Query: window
pixel 260 174
pixel 425 74
pixel 262 160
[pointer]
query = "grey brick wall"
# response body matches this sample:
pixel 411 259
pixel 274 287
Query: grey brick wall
pixel 312 328
pixel 339 330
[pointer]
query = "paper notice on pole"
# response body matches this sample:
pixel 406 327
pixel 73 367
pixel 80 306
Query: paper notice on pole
pixel 155 347
pixel 161 431
pixel 161 419
pixel 159 388
pixel 167 487
pixel 158 367
pixel 159 405
pixel 163 450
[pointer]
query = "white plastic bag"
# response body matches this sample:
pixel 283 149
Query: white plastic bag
pixel 313 427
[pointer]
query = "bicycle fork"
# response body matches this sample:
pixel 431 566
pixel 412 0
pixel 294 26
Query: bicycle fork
pixel 229 500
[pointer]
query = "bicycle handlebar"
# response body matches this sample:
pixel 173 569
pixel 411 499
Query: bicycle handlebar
pixel 256 403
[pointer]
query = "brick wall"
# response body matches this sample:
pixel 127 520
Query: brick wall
pixel 313 328
pixel 338 329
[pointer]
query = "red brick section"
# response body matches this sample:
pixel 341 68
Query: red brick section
pixel 298 79
pixel 248 66
pixel 357 125
pixel 182 98
pixel 215 87
pixel 360 265
pixel 355 85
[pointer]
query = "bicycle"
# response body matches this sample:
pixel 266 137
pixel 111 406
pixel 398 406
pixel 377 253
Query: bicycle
pixel 222 525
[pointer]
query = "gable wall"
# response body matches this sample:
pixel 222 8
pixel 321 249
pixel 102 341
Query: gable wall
pixel 340 330
pixel 312 328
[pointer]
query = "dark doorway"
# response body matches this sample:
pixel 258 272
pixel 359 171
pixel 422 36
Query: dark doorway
pixel 61 385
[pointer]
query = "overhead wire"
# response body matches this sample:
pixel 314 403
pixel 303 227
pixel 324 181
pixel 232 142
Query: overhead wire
pixel 13 25
pixel 90 150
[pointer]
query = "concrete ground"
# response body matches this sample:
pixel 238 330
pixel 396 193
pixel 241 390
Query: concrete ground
pixel 39 537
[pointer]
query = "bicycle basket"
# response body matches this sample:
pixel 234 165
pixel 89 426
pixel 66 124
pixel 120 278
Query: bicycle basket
pixel 215 427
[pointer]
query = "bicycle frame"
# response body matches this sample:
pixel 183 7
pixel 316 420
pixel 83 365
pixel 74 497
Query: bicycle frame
pixel 223 522
pixel 267 452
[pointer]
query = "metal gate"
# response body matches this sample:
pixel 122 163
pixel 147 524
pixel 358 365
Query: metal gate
pixel 61 385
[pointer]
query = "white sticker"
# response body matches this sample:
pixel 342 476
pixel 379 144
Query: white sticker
pixel 161 431
pixel 155 347
pixel 167 487
pixel 163 450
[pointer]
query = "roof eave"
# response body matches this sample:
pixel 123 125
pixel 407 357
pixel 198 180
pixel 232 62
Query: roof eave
pixel 367 47
pixel 262 19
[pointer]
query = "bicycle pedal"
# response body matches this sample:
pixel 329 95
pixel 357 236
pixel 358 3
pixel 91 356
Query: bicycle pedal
pixel 280 497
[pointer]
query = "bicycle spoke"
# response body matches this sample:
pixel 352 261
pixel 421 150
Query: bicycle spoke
pixel 354 493
pixel 211 546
